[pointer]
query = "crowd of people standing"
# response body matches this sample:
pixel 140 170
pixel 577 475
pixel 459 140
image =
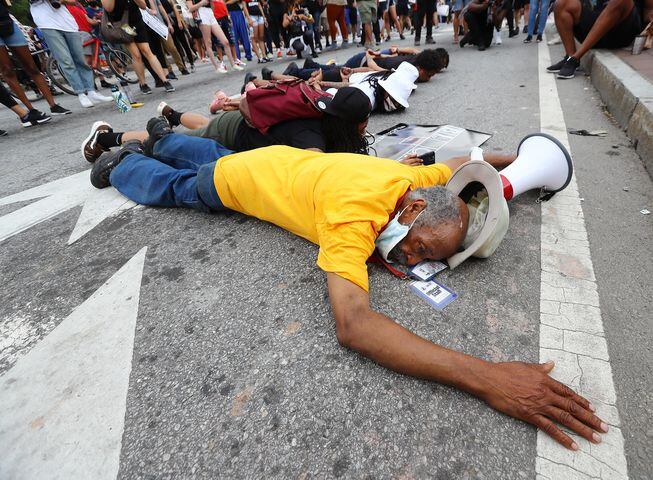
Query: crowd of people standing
pixel 230 33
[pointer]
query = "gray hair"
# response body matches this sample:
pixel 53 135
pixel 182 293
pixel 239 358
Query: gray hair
pixel 442 206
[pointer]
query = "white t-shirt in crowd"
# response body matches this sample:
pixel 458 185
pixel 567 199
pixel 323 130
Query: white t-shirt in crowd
pixel 358 80
pixel 55 18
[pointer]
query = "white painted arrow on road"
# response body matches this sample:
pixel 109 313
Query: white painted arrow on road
pixel 63 403
pixel 59 196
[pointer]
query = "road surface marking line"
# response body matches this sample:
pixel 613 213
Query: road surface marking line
pixel 64 402
pixel 571 328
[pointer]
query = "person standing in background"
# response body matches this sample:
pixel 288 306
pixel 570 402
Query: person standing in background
pixel 425 8
pixel 277 9
pixel 139 49
pixel 17 41
pixel 335 10
pixel 257 23
pixel 171 44
pixel 539 9
pixel 209 26
pixel 64 40
pixel 240 30
pixel 367 10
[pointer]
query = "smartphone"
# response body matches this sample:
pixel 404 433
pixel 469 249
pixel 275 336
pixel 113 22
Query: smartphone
pixel 428 158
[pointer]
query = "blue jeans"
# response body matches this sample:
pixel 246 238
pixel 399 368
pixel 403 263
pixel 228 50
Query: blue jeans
pixel 241 33
pixel 544 10
pixel 180 175
pixel 66 47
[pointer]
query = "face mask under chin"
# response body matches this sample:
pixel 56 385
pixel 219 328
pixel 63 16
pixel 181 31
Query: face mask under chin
pixel 397 255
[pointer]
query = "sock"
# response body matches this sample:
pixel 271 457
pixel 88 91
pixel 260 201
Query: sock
pixel 109 139
pixel 175 118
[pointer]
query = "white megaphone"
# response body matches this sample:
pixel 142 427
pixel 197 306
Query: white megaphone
pixel 542 162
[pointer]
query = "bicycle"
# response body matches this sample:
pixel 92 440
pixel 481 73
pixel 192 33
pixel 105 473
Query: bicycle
pixel 118 61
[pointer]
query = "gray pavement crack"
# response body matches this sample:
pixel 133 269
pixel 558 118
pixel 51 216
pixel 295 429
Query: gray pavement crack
pixel 568 466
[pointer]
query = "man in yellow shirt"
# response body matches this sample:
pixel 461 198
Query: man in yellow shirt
pixel 349 205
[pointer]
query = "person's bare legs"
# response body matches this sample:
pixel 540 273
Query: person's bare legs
pixel 8 73
pixel 137 62
pixel 192 120
pixel 222 38
pixel 20 111
pixel 26 60
pixel 456 26
pixel 567 14
pixel 154 62
pixel 206 36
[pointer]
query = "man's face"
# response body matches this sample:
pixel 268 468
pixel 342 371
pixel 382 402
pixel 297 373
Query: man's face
pixel 425 75
pixel 426 243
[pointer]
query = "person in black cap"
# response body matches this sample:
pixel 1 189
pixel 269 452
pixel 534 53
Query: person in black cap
pixel 341 128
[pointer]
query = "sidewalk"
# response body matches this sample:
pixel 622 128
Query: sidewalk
pixel 625 83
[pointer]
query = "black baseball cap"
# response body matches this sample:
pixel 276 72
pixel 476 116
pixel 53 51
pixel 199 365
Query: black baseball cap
pixel 349 103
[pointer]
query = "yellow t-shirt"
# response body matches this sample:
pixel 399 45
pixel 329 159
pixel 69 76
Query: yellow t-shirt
pixel 339 201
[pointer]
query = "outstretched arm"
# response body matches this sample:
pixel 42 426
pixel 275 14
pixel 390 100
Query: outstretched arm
pixel 521 390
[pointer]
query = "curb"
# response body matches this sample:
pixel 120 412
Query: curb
pixel 628 96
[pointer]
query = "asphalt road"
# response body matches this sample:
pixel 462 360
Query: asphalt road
pixel 236 372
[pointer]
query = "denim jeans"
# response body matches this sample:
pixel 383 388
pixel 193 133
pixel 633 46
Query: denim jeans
pixel 180 175
pixel 543 10
pixel 67 50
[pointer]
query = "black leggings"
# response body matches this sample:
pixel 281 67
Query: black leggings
pixel 5 97
pixel 424 7
pixel 276 25
pixel 181 42
pixel 157 48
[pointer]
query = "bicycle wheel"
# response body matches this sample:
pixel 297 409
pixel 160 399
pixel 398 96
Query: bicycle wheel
pixel 57 77
pixel 120 64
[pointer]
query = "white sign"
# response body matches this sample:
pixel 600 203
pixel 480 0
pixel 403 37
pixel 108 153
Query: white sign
pixel 155 24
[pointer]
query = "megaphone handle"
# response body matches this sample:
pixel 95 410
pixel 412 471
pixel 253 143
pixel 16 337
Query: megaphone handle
pixel 476 154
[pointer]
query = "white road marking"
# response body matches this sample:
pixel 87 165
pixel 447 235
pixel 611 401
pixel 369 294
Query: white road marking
pixel 59 196
pixel 63 404
pixel 571 328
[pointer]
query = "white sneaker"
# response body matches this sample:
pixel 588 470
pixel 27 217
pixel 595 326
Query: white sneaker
pixel 97 97
pixel 159 109
pixel 237 67
pixel 84 100
pixel 497 38
pixel 221 68
pixel 240 62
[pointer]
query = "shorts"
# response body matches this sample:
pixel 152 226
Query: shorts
pixel 206 16
pixel 225 25
pixel 16 39
pixel 222 128
pixel 620 36
pixel 367 10
pixel 88 49
pixel 257 20
pixel 381 7
pixel 137 23
pixel 518 4
pixel 402 8
pixel 459 5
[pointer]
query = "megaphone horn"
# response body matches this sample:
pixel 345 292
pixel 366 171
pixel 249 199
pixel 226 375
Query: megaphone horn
pixel 542 162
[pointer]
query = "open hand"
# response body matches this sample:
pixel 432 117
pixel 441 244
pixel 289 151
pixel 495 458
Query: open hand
pixel 411 159
pixel 525 391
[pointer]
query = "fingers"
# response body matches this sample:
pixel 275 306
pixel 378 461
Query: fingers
pixel 568 420
pixel 580 412
pixel 548 427
pixel 565 391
